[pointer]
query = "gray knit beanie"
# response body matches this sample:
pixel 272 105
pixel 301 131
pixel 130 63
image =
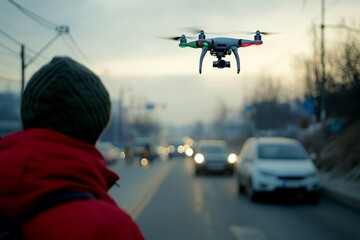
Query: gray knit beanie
pixel 67 97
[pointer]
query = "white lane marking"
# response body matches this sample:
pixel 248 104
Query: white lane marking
pixel 247 233
pixel 143 199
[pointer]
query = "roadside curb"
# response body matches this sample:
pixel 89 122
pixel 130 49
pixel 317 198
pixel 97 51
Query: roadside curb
pixel 344 199
pixel 341 191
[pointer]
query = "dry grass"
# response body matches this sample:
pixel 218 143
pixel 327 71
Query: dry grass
pixel 341 156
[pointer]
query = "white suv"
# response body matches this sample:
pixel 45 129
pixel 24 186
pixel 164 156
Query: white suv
pixel 274 164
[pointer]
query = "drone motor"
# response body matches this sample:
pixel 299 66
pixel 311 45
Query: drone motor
pixel 202 35
pixel 183 39
pixel 257 36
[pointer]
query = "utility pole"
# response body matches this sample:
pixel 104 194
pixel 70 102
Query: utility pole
pixel 121 121
pixel 60 30
pixel 119 128
pixel 22 54
pixel 321 140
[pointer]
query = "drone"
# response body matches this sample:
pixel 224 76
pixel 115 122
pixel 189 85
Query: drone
pixel 220 47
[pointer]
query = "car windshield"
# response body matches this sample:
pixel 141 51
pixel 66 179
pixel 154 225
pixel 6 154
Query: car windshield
pixel 214 149
pixel 281 151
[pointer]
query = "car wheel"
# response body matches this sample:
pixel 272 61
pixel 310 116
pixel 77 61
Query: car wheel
pixel 241 188
pixel 251 193
pixel 197 172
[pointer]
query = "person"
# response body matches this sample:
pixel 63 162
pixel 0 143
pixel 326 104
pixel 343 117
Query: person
pixel 129 155
pixel 64 109
pixel 146 153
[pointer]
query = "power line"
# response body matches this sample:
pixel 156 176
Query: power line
pixel 43 49
pixel 33 53
pixel 9 49
pixel 35 17
pixel 16 53
pixel 74 47
pixel 49 24
pixel 69 45
pixel 60 29
pixel 17 42
pixel 77 47
pixel 10 37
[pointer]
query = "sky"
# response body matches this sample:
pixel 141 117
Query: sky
pixel 120 40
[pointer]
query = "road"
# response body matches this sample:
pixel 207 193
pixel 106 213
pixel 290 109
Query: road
pixel 169 202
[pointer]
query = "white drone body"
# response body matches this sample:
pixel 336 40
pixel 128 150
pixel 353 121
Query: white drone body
pixel 220 47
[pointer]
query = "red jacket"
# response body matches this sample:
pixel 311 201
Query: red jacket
pixel 38 161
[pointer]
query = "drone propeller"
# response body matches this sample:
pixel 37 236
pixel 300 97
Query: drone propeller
pixel 259 32
pixel 170 38
pixel 196 30
pixel 177 38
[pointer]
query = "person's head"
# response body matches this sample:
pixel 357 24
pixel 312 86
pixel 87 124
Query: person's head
pixel 66 97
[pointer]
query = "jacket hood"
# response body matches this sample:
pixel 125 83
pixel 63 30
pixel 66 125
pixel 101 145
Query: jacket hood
pixel 36 162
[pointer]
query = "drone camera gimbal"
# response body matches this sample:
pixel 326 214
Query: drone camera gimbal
pixel 221 63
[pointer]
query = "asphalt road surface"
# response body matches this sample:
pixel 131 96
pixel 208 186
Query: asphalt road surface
pixel 168 201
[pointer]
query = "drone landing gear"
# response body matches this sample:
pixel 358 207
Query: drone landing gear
pixel 235 51
pixel 203 53
pixel 220 63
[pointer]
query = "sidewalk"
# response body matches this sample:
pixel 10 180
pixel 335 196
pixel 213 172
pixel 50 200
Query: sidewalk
pixel 341 189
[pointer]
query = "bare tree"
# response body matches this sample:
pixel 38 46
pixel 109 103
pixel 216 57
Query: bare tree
pixel 342 85
pixel 268 89
pixel 345 61
pixel 220 120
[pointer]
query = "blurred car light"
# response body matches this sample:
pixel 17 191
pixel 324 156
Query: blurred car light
pixel 189 152
pixel 232 158
pixel 199 158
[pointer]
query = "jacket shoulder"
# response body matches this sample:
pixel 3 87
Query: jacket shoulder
pixel 83 219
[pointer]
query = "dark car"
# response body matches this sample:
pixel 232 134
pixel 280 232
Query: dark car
pixel 214 155
pixel 176 149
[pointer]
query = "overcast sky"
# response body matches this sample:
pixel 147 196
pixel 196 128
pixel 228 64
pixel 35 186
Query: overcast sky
pixel 118 39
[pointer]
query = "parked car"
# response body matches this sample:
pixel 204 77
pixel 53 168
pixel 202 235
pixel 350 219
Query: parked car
pixel 276 165
pixel 213 155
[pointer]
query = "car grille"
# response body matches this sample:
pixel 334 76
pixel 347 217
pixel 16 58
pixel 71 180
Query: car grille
pixel 291 177
pixel 215 160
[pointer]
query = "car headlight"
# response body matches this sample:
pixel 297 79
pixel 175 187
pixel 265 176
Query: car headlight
pixel 180 149
pixel 232 158
pixel 199 158
pixel 111 153
pixel 189 152
pixel 171 148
